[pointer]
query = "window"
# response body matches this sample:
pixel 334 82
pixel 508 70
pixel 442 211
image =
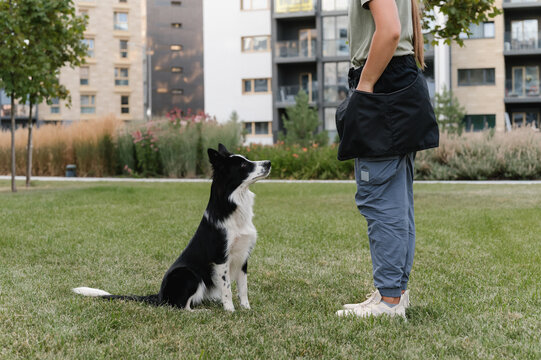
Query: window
pixel 470 77
pixel 177 91
pixel 255 43
pixel 84 75
pixel 335 33
pixel 524 34
pixel 90 47
pixel 176 25
pixel 121 76
pixel 122 1
pixel 161 90
pixel 176 47
pixel 252 86
pixel 335 81
pixel 254 4
pixel 176 3
pixel 124 104
pixel 330 124
pixel 176 69
pixel 121 20
pixel 479 122
pixel 248 128
pixel 88 104
pixel 257 128
pixel 123 45
pixel 528 118
pixel 481 31
pixel 333 5
pixel 55 106
pixel 262 128
pixel 525 81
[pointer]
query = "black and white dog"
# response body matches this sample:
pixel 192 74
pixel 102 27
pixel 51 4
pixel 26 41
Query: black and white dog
pixel 219 250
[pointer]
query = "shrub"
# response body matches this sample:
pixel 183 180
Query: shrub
pixel 88 144
pixel 301 124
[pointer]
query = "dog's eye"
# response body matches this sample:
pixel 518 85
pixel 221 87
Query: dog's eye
pixel 243 165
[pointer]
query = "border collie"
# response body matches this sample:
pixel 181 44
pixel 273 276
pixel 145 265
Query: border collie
pixel 219 250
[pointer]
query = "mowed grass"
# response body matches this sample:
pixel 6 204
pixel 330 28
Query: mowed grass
pixel 475 286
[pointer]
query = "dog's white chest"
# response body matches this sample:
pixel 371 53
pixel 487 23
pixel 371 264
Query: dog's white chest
pixel 241 232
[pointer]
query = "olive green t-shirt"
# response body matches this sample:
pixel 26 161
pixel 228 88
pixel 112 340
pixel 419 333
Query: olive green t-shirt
pixel 361 28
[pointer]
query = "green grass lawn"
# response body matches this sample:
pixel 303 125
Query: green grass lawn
pixel 475 285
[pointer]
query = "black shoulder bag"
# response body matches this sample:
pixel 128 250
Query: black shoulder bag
pixel 385 124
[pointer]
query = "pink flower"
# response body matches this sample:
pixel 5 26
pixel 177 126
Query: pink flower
pixel 295 156
pixel 137 136
pixel 304 149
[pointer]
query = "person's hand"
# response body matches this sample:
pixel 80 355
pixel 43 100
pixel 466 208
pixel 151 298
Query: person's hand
pixel 365 86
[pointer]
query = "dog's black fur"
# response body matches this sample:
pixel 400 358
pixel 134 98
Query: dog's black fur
pixel 220 248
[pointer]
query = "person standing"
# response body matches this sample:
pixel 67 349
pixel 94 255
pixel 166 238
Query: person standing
pixel 386 49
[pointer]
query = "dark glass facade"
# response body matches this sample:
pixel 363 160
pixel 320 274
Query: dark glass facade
pixel 175 41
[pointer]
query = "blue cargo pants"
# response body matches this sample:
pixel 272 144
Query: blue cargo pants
pixel 385 198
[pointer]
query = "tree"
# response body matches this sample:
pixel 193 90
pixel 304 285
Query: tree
pixel 301 123
pixel 11 43
pixel 460 14
pixel 449 113
pixel 54 34
pixel 42 37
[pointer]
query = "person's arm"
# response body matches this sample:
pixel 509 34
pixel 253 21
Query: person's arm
pixel 384 42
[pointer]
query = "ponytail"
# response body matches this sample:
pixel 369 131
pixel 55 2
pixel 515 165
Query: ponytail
pixel 418 39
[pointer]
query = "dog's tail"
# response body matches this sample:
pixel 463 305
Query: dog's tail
pixel 86 291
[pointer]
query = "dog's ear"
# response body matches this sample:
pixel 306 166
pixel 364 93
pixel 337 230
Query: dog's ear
pixel 223 150
pixel 214 156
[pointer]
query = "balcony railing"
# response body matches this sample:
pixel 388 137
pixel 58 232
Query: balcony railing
pixel 293 6
pixel 527 90
pixel 335 93
pixel 296 49
pixel 336 47
pixel 526 42
pixel 286 94
pixel 334 5
pixel 521 1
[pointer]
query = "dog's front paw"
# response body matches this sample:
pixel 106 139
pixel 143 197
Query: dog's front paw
pixel 245 305
pixel 229 307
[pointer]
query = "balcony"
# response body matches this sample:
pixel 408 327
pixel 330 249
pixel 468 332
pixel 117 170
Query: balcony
pixel 294 8
pixel 522 92
pixel 524 44
pixel 335 47
pixel 334 5
pixel 295 51
pixel 286 94
pixel 521 4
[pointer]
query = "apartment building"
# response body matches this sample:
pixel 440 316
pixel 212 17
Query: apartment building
pixel 238 64
pixel 112 81
pixel 175 46
pixel 310 54
pixel 495 76
pixel 522 57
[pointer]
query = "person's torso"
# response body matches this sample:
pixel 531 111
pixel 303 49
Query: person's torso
pixel 361 28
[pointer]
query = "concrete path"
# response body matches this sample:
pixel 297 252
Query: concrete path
pixel 165 180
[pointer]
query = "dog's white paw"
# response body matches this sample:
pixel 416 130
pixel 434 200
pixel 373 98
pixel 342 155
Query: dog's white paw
pixel 245 305
pixel 229 307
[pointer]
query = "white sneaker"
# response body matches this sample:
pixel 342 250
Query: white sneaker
pixel 375 307
pixel 405 295
pixel 369 298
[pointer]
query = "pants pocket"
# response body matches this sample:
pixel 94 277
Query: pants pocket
pixel 376 172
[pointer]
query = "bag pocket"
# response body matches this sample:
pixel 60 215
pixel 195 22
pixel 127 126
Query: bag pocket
pixel 365 128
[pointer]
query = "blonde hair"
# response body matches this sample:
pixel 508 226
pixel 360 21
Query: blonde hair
pixel 418 39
